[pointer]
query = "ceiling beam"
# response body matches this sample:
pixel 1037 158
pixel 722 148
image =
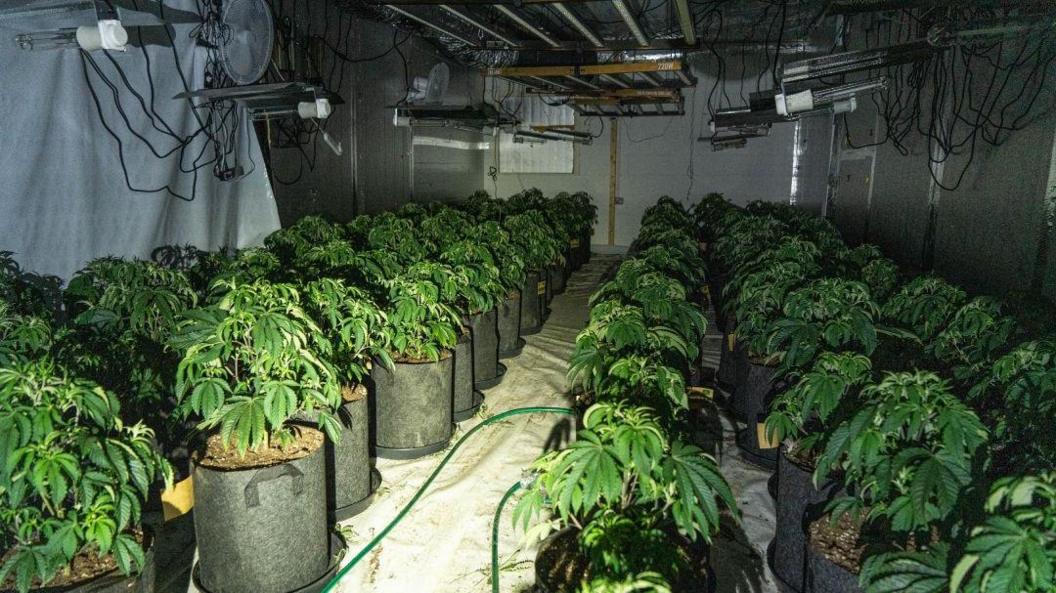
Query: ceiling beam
pixel 582 82
pixel 513 16
pixel 578 24
pixel 468 19
pixel 432 26
pixel 616 81
pixel 685 20
pixel 588 69
pixel 632 23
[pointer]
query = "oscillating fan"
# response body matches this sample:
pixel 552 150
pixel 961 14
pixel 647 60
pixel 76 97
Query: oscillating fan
pixel 245 48
pixel 431 90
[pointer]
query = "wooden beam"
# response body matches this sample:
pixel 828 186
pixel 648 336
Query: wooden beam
pixel 651 94
pixel 435 27
pixel 578 24
pixel 588 69
pixel 632 23
pixel 685 20
pixel 513 16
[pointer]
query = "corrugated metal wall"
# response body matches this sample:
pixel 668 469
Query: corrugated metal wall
pixel 381 167
pixel 992 234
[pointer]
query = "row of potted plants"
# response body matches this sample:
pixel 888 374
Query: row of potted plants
pixel 910 423
pixel 632 504
pixel 272 375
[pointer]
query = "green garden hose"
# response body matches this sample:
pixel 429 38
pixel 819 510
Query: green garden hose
pixel 329 588
pixel 495 535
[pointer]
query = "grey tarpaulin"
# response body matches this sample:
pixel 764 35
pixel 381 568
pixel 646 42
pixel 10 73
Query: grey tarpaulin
pixel 63 198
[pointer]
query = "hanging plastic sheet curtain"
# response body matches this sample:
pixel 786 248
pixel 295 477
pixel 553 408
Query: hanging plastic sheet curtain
pixel 64 195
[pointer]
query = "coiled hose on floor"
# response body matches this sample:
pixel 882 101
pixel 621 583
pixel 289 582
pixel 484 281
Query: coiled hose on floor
pixel 329 588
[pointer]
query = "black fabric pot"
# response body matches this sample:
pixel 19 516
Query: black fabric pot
pixel 111 582
pixel 733 365
pixel 533 296
pixel 484 328
pixel 825 576
pixel 584 246
pixel 796 495
pixel 556 280
pixel 262 530
pixel 750 399
pixel 509 327
pixel 716 282
pixel 466 400
pixel 414 407
pixel 351 479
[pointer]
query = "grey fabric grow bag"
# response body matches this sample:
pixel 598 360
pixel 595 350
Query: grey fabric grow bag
pixel 584 246
pixel 825 576
pixel 484 327
pixel 465 399
pixel 509 327
pixel 413 415
pixel 262 530
pixel 750 396
pixel 533 296
pixel 351 479
pixel 796 494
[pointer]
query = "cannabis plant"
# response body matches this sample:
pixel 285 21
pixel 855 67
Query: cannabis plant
pixel 924 305
pixel 246 265
pixel 627 488
pixel 291 242
pixel 443 229
pixel 1020 393
pixel 708 212
pixel 399 236
pixel 975 336
pixel 530 231
pixel 475 264
pixel 251 361
pixel 819 398
pixel 758 299
pixel 662 299
pixel 508 257
pixel 27 293
pixel 687 268
pixel 1014 549
pixel 745 238
pixel 73 476
pixel 340 260
pixel 354 325
pixel 670 213
pixel 23 337
pixel 483 207
pixel 826 314
pixel 420 326
pixel 906 455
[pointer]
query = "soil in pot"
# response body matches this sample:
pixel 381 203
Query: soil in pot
pixel 484 328
pixel 509 327
pixel 413 407
pixel 89 572
pixel 795 496
pixel 560 565
pixel 834 556
pixel 533 297
pixel 260 519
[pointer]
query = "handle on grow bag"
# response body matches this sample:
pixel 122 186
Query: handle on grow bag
pixel 252 492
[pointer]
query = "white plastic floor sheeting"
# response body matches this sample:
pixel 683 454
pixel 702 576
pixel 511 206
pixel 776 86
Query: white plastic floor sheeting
pixel 443 544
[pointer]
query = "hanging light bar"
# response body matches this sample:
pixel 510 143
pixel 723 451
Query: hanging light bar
pixel 614 80
pixel 513 16
pixel 468 19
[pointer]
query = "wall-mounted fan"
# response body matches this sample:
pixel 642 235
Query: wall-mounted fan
pixel 431 90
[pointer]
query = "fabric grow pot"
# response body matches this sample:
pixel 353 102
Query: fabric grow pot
pixel 733 364
pixel 584 246
pixel 533 296
pixel 413 407
pixel 465 399
pixel 750 398
pixel 509 327
pixel 262 529
pixel 338 546
pixel 795 495
pixel 575 255
pixel 556 280
pixel 110 582
pixel 825 576
pixel 351 479
pixel 484 328
pixel 752 441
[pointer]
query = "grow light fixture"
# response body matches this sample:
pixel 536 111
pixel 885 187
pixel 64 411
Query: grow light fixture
pixel 268 101
pixel 811 100
pixel 468 119
pixel 107 32
pixel 855 61
pixel 522 136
